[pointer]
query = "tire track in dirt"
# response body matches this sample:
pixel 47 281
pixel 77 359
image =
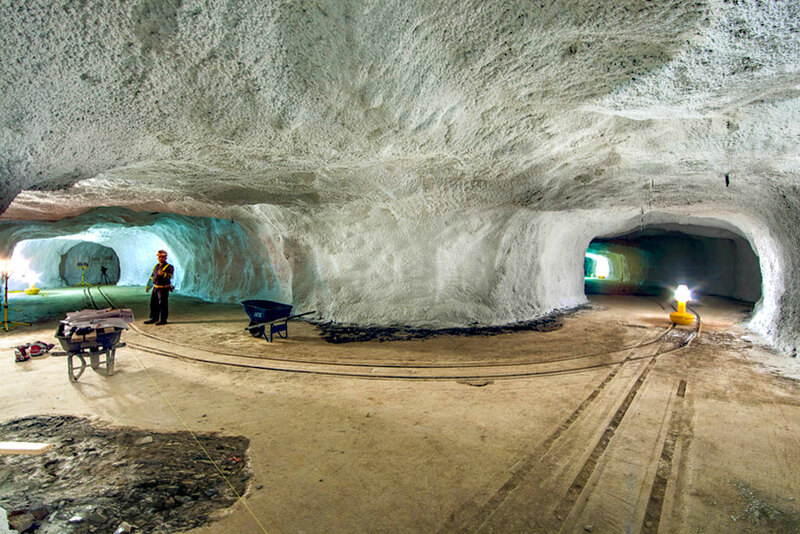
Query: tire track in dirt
pixel 472 515
pixel 477 512
pixel 564 508
pixel 467 518
pixel 655 504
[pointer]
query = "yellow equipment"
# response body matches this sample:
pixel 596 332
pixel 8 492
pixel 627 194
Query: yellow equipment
pixel 82 265
pixel 682 295
pixel 6 324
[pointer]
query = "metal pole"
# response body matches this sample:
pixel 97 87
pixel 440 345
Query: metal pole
pixel 5 301
pixel 8 325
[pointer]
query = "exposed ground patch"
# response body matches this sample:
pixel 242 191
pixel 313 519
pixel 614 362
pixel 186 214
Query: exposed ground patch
pixel 96 478
pixel 342 333
pixel 764 515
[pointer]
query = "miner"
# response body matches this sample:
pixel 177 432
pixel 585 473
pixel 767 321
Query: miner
pixel 161 282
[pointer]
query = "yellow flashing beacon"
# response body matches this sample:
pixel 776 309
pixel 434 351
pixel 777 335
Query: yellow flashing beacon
pixel 682 295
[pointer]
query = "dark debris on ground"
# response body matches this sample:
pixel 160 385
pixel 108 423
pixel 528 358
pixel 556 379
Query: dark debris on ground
pixel 342 333
pixel 99 479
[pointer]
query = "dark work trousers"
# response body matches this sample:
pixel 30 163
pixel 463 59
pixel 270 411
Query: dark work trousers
pixel 159 304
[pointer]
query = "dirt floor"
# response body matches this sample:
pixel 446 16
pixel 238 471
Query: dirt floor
pixel 610 423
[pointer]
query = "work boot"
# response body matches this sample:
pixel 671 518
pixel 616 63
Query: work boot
pixel 150 321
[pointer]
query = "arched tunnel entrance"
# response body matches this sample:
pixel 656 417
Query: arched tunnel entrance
pixel 89 263
pixel 655 259
pixel 214 259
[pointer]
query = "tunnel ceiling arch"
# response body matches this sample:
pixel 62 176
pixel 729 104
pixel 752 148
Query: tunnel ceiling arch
pixel 409 161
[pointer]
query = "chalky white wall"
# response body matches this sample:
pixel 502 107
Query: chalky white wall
pixel 402 161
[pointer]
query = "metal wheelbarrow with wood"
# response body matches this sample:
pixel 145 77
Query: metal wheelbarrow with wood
pixel 92 334
pixel 94 344
pixel 268 318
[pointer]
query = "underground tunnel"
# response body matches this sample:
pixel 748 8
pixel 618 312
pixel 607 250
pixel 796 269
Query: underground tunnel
pixel 527 182
pixel 211 255
pixel 650 261
pixel 89 263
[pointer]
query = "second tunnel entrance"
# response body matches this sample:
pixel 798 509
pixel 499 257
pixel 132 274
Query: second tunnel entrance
pixel 654 259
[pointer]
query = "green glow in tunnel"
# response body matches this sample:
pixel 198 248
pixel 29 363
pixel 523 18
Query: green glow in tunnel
pixel 597 266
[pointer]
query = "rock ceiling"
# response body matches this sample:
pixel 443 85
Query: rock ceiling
pixel 341 125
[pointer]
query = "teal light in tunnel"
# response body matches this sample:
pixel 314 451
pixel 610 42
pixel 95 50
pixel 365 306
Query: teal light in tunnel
pixel 597 267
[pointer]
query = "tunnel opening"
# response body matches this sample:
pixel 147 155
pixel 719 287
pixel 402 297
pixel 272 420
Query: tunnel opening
pixel 597 266
pixel 653 260
pixel 217 260
pixel 89 263
pixel 96 256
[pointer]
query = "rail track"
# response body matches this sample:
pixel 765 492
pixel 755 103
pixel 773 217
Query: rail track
pixel 614 462
pixel 574 473
pixel 667 341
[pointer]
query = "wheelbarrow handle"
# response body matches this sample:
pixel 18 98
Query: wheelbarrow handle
pixel 301 314
pixel 279 320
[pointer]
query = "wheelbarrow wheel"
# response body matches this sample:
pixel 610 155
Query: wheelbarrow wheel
pixel 256 331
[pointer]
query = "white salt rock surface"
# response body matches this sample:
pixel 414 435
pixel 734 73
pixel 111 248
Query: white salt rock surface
pixel 397 162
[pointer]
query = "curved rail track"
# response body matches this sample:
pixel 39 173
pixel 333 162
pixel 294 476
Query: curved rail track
pixel 570 472
pixel 663 343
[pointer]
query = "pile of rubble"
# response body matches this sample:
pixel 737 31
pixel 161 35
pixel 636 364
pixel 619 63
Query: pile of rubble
pixel 342 333
pixel 117 479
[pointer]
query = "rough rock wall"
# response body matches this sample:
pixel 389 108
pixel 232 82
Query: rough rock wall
pixel 394 160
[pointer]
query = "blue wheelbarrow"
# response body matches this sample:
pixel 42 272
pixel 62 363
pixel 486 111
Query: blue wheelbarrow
pixel 266 315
